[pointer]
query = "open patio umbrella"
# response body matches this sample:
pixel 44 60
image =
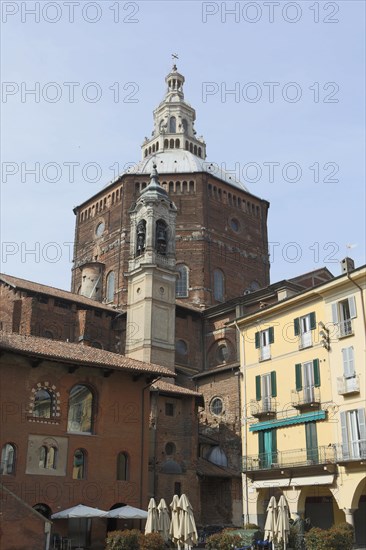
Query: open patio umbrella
pixel 79 511
pixel 174 534
pixel 127 512
pixel 187 524
pixel 152 522
pixel 164 520
pixel 283 524
pixel 271 521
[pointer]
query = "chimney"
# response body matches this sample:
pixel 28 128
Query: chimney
pixel 347 265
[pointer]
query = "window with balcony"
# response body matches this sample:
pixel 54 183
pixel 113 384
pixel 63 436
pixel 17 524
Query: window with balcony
pixel 303 327
pixel 263 341
pixel 343 312
pixel 265 392
pixel 267 442
pixel 353 428
pixel 307 377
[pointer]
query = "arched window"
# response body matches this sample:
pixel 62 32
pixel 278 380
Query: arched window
pixel 42 407
pixel 47 457
pixel 181 285
pixel 123 473
pixel 80 417
pixel 177 143
pixel 166 144
pixel 185 125
pixel 79 465
pixel 172 125
pixel 223 353
pixel 219 285
pixel 110 286
pixel 161 237
pixel 171 143
pixel 7 466
pixel 43 509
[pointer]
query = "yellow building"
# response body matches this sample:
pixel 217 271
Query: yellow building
pixel 303 393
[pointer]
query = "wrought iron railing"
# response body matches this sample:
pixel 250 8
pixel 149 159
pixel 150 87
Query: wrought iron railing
pixel 354 450
pixel 294 458
pixel 266 405
pixel 345 328
pixel 307 396
pixel 348 385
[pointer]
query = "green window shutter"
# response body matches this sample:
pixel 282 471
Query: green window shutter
pixel 261 442
pixel 271 335
pixel 312 320
pixel 297 326
pixel 298 377
pixel 258 388
pixel 257 340
pixel 273 384
pixel 316 373
pixel 274 444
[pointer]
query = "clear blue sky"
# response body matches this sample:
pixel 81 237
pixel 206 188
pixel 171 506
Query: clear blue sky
pixel 317 59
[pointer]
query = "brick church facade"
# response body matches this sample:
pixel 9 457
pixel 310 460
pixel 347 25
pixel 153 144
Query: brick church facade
pixel 164 257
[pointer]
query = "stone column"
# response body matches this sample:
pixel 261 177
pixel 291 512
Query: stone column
pixel 348 512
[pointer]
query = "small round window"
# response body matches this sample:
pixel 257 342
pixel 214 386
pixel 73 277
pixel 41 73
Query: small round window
pixel 216 406
pixel 181 347
pixel 100 229
pixel 235 225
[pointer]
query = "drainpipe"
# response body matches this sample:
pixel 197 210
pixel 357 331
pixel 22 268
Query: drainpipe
pixel 143 434
pixel 245 437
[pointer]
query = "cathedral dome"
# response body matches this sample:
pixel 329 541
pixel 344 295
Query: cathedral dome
pixel 183 162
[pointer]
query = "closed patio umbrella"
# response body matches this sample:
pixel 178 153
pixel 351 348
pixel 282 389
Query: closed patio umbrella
pixel 283 523
pixel 174 523
pixel 164 520
pixel 152 522
pixel 271 521
pixel 187 524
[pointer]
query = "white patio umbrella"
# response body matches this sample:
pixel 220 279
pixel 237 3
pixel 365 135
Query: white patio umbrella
pixel 164 520
pixel 271 521
pixel 79 511
pixel 187 524
pixel 152 522
pixel 283 523
pixel 127 512
pixel 174 534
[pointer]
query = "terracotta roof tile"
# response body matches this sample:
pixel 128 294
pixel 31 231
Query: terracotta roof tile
pixel 76 353
pixel 167 387
pixel 208 469
pixel 23 284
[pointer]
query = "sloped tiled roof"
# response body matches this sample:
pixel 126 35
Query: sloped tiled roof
pixel 67 352
pixel 23 284
pixel 208 469
pixel 167 387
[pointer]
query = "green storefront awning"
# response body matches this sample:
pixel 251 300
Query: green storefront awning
pixel 291 421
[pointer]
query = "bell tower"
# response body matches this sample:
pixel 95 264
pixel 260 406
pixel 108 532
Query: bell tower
pixel 151 277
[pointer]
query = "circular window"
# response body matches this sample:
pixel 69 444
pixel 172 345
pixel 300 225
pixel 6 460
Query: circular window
pixel 100 229
pixel 181 347
pixel 235 225
pixel 223 353
pixel 170 448
pixel 216 406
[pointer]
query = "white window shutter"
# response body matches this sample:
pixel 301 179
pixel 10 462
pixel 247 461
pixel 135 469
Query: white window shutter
pixel 352 306
pixel 362 424
pixel 345 448
pixel 335 313
pixel 348 362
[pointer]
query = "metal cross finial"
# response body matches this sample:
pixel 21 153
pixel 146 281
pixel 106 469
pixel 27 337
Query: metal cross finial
pixel 175 56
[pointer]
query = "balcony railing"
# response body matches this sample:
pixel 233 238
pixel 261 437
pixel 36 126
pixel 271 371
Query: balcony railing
pixel 290 459
pixel 266 407
pixel 355 450
pixel 348 385
pixel 345 328
pixel 309 396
